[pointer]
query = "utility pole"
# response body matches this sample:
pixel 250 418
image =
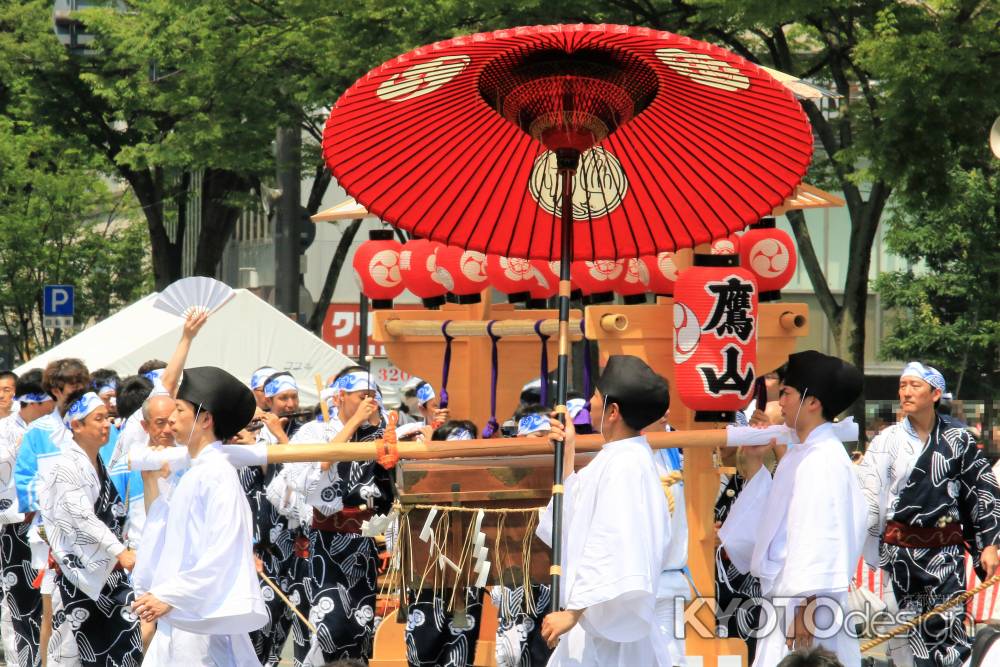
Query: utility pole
pixel 288 155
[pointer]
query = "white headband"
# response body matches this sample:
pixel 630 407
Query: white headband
pixel 928 374
pixel 280 384
pixel 425 393
pixel 532 423
pixel 355 381
pixel 82 407
pixel 260 375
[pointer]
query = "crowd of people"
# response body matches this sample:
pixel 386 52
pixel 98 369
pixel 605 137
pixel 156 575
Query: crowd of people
pixel 141 522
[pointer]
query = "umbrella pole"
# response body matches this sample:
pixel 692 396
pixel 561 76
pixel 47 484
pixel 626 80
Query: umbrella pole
pixel 566 161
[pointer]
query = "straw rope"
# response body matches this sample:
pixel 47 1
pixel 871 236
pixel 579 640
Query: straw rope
pixel 944 606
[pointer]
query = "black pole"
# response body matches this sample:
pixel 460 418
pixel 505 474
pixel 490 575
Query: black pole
pixel 363 332
pixel 288 155
pixel 566 161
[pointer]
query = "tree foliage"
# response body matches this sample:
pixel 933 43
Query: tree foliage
pixel 949 310
pixel 61 225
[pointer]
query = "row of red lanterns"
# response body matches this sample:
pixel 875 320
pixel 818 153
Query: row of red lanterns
pixel 384 268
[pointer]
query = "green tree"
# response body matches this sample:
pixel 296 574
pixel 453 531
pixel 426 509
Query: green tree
pixel 61 225
pixel 949 310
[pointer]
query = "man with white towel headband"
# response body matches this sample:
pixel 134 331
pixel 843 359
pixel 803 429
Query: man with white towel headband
pixel 931 495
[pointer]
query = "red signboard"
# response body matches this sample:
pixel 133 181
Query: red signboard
pixel 341 328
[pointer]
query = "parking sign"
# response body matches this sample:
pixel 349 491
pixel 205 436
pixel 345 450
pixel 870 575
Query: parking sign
pixel 57 306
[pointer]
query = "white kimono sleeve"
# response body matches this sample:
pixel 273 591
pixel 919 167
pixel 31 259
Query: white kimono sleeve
pixel 208 596
pixel 544 528
pixel 84 547
pixel 874 478
pixel 824 517
pixel 738 533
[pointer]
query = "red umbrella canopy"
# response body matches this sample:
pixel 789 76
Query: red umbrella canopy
pixel 682 142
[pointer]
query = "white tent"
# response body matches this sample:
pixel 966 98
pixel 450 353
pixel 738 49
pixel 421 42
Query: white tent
pixel 243 335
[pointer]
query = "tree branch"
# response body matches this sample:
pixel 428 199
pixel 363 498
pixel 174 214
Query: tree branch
pixel 807 254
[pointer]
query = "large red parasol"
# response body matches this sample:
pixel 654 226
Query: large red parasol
pixel 449 141
pixel 568 142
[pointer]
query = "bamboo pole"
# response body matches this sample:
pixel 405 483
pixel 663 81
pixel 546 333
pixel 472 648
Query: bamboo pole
pixel 467 328
pixel 369 451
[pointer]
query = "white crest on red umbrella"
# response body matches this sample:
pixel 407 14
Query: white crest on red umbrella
pixel 473 265
pixel 769 258
pixel 665 262
pixel 599 185
pixel 687 332
pixel 516 268
pixel 704 69
pixel 422 78
pixel 723 247
pixel 605 269
pixel 383 267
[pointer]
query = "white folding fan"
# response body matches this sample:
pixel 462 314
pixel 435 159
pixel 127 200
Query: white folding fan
pixel 197 294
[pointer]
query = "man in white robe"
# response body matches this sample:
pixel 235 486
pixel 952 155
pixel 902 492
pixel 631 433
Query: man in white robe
pixel 801 533
pixel 616 530
pixel 203 589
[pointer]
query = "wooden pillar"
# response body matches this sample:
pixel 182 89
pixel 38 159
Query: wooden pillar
pixel 647 331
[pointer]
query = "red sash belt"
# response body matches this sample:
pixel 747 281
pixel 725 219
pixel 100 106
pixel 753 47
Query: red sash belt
pixel 919 537
pixel 347 520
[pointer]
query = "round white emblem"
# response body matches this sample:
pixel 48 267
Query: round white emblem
pixel 605 270
pixel 665 263
pixel 599 185
pixel 422 78
pixel 769 258
pixel 704 69
pixel 473 266
pixel 687 333
pixel 515 268
pixel 383 267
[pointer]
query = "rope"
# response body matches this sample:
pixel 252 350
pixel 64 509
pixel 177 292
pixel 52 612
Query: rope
pixel 944 606
pixel 492 425
pixel 446 366
pixel 543 375
pixel 668 480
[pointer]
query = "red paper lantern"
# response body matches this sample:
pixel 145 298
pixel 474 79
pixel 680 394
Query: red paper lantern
pixel 727 245
pixel 597 278
pixel 511 275
pixel 545 283
pixel 376 268
pixel 417 264
pixel 634 282
pixel 662 273
pixel 463 272
pixel 715 336
pixel 769 254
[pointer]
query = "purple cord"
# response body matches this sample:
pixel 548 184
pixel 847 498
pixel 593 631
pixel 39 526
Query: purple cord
pixel 446 368
pixel 544 375
pixel 492 425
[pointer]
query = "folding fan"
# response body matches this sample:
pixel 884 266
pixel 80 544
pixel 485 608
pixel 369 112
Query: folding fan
pixel 197 294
